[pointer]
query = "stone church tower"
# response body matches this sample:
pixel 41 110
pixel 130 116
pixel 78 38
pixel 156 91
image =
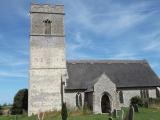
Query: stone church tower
pixel 47 58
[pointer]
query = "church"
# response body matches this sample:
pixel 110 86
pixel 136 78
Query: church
pixel 101 85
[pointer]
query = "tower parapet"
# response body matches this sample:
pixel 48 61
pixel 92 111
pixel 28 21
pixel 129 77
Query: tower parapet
pixel 47 8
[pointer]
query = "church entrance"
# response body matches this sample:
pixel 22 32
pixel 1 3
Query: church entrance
pixel 105 104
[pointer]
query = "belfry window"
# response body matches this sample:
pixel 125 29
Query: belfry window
pixel 79 100
pixel 47 28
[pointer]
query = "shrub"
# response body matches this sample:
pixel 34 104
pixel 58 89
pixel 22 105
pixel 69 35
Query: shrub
pixel 20 103
pixel 86 109
pixel 136 109
pixel 146 104
pixel 110 118
pixel 64 112
pixel 1 110
pixel 136 100
pixel 154 101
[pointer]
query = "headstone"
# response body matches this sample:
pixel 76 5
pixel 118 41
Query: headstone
pixel 115 113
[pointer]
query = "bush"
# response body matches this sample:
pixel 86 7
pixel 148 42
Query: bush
pixel 86 109
pixel 136 100
pixel 154 101
pixel 64 112
pixel 110 118
pixel 1 110
pixel 20 103
pixel 136 109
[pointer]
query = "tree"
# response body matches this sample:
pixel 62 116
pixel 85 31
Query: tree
pixel 20 103
pixel 0 110
pixel 5 104
pixel 64 112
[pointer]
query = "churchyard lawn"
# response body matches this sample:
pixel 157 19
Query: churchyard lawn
pixel 144 114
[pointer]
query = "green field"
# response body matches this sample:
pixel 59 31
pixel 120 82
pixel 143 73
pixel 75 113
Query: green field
pixel 144 114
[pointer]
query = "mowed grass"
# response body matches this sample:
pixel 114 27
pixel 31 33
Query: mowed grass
pixel 148 114
pixel 144 114
pixel 84 117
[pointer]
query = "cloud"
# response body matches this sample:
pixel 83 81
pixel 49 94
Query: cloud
pixel 80 42
pixel 13 66
pixel 19 63
pixel 124 55
pixel 76 44
pixel 22 10
pixel 155 65
pixel 105 23
pixel 8 73
pixel 10 60
pixel 153 44
pixel 116 19
pixel 148 42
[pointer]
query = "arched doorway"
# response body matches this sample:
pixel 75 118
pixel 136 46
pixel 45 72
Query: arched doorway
pixel 105 104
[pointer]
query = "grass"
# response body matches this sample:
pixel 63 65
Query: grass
pixel 148 114
pixel 144 114
pixel 84 117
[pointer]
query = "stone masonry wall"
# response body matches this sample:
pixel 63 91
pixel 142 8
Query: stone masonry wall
pixel 128 94
pixel 152 93
pixel 104 84
pixel 47 59
pixel 70 99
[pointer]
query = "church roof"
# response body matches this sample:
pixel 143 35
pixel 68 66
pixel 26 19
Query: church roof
pixel 124 73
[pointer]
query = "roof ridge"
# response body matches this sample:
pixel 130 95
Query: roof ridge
pixel 106 61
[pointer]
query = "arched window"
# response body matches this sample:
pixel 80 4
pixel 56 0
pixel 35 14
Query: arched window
pixel 79 100
pixel 121 97
pixel 47 24
pixel 144 93
pixel 158 92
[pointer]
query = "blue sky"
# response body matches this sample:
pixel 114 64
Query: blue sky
pixel 95 29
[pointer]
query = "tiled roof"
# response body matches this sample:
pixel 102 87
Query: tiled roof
pixel 124 73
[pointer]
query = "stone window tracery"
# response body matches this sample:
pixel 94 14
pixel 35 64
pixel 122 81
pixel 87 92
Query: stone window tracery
pixel 79 100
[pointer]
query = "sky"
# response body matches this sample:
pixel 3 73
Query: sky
pixel 94 29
